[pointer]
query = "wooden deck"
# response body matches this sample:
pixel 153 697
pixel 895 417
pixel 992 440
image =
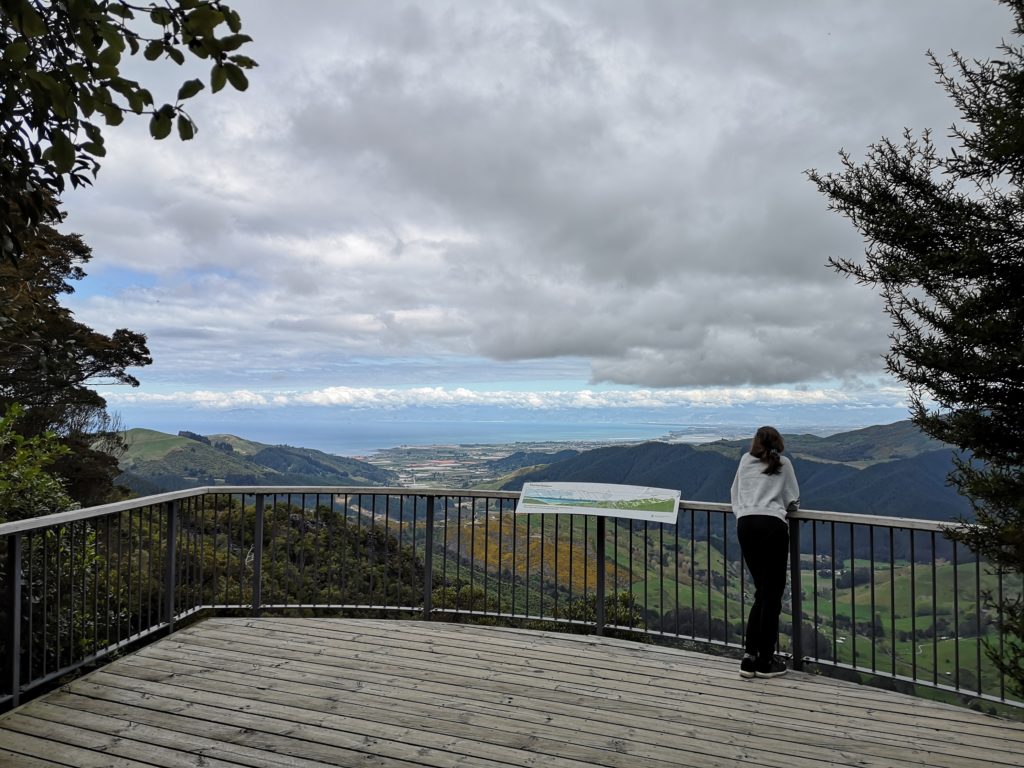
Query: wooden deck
pixel 353 692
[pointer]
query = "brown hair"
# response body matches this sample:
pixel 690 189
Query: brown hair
pixel 768 446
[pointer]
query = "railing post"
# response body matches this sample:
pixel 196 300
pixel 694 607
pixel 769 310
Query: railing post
pixel 599 597
pixel 12 653
pixel 257 553
pixel 428 561
pixel 796 594
pixel 172 509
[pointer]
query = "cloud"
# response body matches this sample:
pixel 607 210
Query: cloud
pixel 538 185
pixel 375 398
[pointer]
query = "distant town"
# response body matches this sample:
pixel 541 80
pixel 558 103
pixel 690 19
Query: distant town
pixel 472 466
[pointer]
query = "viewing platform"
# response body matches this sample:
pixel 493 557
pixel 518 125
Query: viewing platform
pixel 377 692
pixel 176 630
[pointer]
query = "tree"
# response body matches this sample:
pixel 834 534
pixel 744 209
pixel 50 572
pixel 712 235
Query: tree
pixel 49 362
pixel 945 249
pixel 27 489
pixel 60 75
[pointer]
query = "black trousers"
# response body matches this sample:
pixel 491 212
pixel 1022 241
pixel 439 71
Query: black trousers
pixel 764 541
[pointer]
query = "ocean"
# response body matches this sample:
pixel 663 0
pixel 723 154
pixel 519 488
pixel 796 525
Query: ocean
pixel 360 432
pixel 364 436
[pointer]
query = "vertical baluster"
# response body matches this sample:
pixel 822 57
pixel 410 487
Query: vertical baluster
pixel 171 510
pixel 202 549
pixel 632 573
pixel 977 620
pixel 487 552
pixel 661 576
pixel 108 556
pixel 428 560
pixel 59 601
pixel 675 557
pixel 913 604
pixel 150 565
pixel 458 550
pixel 29 578
pixel 874 609
pixel 1000 628
pixel 554 567
pixel 572 542
pixel 257 553
pixel 796 595
pixel 540 579
pixel 70 528
pixel 615 543
pixel 892 601
pixel 472 552
pixel 853 594
pixel 835 594
pixel 725 577
pixel 515 560
pixel 707 568
pixel 386 540
pixel 529 524
pixel 121 587
pixel 599 597
pixel 935 614
pixel 643 570
pixel 501 555
pixel 814 586
pixel 956 618
pixel 12 660
pixel 586 558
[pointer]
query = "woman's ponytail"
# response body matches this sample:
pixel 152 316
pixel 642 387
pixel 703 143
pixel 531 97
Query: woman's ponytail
pixel 768 446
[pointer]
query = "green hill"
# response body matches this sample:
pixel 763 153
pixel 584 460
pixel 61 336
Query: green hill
pixel 156 461
pixel 858 448
pixel 903 487
pixel 148 444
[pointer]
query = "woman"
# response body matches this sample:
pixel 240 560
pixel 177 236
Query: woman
pixel 763 492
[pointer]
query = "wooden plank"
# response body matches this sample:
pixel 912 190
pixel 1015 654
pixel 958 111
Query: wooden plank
pixel 278 692
pixel 657 657
pixel 681 666
pixel 569 723
pixel 294 751
pixel 940 746
pixel 62 753
pixel 10 759
pixel 519 749
pixel 784 700
pixel 669 664
pixel 381 739
pixel 441 676
pixel 600 747
pixel 138 752
pixel 169 737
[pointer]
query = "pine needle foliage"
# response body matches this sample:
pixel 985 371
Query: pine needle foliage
pixel 944 234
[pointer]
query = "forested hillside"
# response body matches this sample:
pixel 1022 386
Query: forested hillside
pixel 156 461
pixel 859 447
pixel 910 487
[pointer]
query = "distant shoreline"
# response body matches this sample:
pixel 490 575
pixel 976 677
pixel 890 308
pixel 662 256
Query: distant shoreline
pixel 362 439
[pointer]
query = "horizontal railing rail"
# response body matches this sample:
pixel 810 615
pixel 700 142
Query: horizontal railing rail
pixel 887 598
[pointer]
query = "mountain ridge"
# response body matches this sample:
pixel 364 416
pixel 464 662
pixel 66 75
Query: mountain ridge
pixel 905 487
pixel 156 461
pixel 890 470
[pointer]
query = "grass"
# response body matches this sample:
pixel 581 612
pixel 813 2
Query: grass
pixel 150 445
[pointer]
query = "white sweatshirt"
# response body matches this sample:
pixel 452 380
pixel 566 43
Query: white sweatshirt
pixel 755 493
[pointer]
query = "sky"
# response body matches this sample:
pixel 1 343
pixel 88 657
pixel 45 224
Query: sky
pixel 520 208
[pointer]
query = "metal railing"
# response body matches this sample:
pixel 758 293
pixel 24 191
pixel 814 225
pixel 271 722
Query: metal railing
pixel 886 597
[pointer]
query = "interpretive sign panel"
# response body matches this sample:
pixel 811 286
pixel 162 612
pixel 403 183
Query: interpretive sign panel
pixel 637 502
